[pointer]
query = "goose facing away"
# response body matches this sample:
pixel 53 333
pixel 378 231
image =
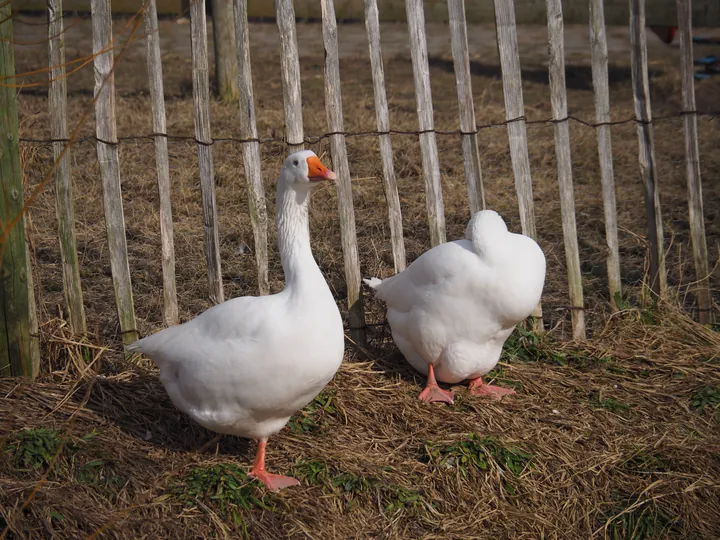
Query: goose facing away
pixel 245 366
pixel 452 309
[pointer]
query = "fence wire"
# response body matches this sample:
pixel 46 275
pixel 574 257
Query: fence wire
pixel 149 138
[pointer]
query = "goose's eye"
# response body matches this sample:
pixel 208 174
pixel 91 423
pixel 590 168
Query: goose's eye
pixel 295 162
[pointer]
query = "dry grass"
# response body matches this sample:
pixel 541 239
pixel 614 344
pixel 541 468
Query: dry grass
pixel 617 438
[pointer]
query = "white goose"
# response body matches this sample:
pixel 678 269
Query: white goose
pixel 245 366
pixel 452 309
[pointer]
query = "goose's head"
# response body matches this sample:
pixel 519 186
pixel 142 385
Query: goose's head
pixel 304 169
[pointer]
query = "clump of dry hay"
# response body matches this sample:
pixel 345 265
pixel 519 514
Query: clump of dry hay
pixel 600 441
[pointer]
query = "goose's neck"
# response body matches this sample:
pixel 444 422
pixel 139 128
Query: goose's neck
pixel 298 263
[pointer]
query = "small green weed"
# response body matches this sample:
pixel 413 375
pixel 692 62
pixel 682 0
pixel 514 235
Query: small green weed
pixel 609 404
pixel 480 453
pixel 392 497
pixel 646 461
pixel 224 486
pixel 34 449
pixel 315 415
pixel 313 472
pixel 644 522
pixel 706 399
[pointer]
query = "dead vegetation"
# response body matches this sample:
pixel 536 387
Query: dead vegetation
pixel 614 438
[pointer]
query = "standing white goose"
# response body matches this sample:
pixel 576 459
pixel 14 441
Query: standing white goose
pixel 452 309
pixel 244 367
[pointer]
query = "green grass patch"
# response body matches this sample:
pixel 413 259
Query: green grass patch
pixel 646 461
pixel 706 400
pixel 34 449
pixel 611 404
pixel 480 453
pixel 627 521
pixel 353 488
pixel 225 487
pixel 315 416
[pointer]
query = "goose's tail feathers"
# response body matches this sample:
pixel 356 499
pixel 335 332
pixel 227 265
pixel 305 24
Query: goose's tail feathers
pixel 373 282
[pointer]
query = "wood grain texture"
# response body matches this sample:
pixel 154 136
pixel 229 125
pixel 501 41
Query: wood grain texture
pixel 162 164
pixel 692 161
pixel 517 130
pixel 646 139
pixel 201 103
pixel 251 150
pixel 601 89
pixel 333 107
pixel 558 99
pixel 461 61
pixel 290 71
pixel 372 26
pixel 423 100
pixel 108 159
pixel 706 13
pixel 226 68
pixel 64 206
pixel 18 342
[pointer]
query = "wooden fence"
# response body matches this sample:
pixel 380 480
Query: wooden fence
pixel 294 137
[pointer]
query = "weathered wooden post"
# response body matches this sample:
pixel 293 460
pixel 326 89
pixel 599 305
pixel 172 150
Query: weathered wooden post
pixel 19 356
pixel 226 68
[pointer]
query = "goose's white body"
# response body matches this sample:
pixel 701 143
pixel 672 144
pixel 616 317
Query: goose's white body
pixel 245 366
pixel 457 303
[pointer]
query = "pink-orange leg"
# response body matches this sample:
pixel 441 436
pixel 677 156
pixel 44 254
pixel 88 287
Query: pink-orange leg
pixel 432 392
pixel 274 482
pixel 479 388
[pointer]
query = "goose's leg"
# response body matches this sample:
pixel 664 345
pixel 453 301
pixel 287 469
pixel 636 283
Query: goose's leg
pixel 432 392
pixel 274 482
pixel 479 388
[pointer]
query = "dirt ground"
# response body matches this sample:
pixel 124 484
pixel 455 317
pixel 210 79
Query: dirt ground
pixel 614 438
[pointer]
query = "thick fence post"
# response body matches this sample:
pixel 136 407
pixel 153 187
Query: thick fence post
pixel 157 98
pixel 226 68
pixel 558 98
pixel 19 356
pixel 251 149
pixel 646 140
pixel 461 61
pixel 107 151
pixel 692 156
pixel 515 115
pixel 201 102
pixel 372 25
pixel 423 101
pixel 601 89
pixel 348 235
pixel 290 64
pixel 57 95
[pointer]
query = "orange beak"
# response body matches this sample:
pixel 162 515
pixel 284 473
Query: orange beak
pixel 317 171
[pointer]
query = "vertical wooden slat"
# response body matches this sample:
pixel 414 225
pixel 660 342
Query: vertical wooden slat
pixel 599 59
pixel 157 98
pixel 461 60
pixel 57 95
pixel 251 150
pixel 107 152
pixel 18 354
pixel 226 74
pixel 290 65
pixel 201 102
pixel 646 139
pixel 372 25
pixel 558 98
pixel 333 107
pixel 515 114
pixel 692 156
pixel 423 98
